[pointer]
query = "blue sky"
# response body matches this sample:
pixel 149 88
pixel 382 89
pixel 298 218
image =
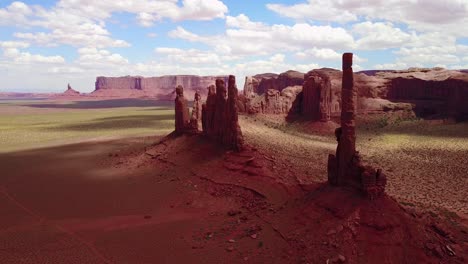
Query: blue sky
pixel 46 44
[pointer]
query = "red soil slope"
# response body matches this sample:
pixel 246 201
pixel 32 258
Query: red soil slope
pixel 183 200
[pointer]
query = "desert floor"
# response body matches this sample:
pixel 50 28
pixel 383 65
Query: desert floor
pixel 97 185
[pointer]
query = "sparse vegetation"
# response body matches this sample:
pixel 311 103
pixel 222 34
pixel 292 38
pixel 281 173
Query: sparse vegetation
pixel 31 124
pixel 425 161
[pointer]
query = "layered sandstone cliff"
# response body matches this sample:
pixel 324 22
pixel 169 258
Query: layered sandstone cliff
pixel 429 93
pixel 261 83
pixel 156 87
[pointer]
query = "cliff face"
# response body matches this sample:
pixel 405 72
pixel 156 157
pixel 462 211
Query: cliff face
pixel 429 93
pixel 159 87
pixel 261 83
pixel 432 97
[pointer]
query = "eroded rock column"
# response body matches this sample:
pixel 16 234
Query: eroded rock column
pixel 181 111
pixel 196 111
pixel 347 141
pixel 220 115
pixel 234 138
pixel 316 102
pixel 346 167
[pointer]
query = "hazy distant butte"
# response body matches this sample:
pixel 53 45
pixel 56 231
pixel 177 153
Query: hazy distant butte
pixel 155 87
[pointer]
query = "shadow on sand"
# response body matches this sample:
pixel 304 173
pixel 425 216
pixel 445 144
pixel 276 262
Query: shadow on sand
pixel 121 122
pixel 112 103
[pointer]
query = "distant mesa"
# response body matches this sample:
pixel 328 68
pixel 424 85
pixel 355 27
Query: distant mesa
pixel 161 88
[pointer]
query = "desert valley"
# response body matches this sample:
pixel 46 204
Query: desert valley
pixel 243 176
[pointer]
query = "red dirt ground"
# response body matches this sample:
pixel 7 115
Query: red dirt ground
pixel 182 200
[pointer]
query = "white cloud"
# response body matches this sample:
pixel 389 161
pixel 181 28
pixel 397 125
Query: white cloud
pixel 379 36
pixel 188 57
pixel 421 15
pixel 245 37
pixel 323 10
pixel 148 12
pixel 12 52
pixel 13 44
pixel 15 14
pixel 321 54
pixel 428 55
pixel 181 33
pixel 92 57
pixel 391 66
pixel 152 35
pixel 82 22
pixel 243 21
pixel 65 70
pixel 26 57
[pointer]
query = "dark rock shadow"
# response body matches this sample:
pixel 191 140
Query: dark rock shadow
pixel 294 113
pixel 112 103
pixel 121 122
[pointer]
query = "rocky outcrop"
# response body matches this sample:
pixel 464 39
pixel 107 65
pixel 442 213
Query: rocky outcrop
pixel 272 102
pixel 261 83
pixel 280 102
pixel 250 87
pixel 157 87
pixel 69 93
pixel 181 111
pixel 220 115
pixel 346 168
pixel 432 97
pixel 317 96
pixel 196 117
pixel 427 93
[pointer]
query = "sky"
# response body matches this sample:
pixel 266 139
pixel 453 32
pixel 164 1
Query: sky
pixel 44 45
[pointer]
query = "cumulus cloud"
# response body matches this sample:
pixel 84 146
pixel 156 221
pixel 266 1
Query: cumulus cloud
pixel 15 14
pixel 379 35
pixel 13 44
pixel 188 57
pixel 427 15
pixel 12 52
pixel 324 10
pixel 148 11
pixel 93 57
pixel 428 55
pixel 246 37
pixel 82 22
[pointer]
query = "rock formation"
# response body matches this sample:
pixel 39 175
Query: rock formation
pixel 250 87
pixel 70 91
pixel 427 93
pixel 208 111
pixel 156 87
pixel 196 112
pixel 233 134
pixel 317 96
pixel 432 97
pixel 261 83
pixel 347 141
pixel 272 102
pixel 220 115
pixel 346 167
pixel 181 111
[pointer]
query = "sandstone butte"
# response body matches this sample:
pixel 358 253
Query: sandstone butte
pixel 161 88
pixel 316 95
